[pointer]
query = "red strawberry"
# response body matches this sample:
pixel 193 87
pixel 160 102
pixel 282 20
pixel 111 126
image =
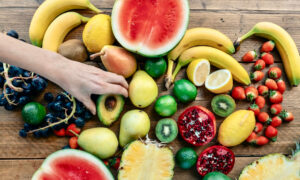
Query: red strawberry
pixel 114 162
pixel 249 56
pixel 260 101
pixel 258 127
pixel 275 97
pixel 271 84
pixel 268 58
pixel 287 116
pixel 73 142
pixel 274 72
pixel 238 93
pixel 267 46
pixel 261 140
pixel 251 93
pixel 251 138
pixel 276 109
pixel 271 132
pixel 259 65
pixel 264 117
pixel 254 108
pixel 61 132
pixel 281 86
pixel 257 76
pixel 263 90
pixel 276 121
pixel 72 130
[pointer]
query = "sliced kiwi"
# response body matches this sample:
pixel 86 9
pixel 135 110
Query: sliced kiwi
pixel 223 105
pixel 166 130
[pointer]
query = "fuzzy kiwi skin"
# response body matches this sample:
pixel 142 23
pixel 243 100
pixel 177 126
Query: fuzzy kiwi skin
pixel 226 99
pixel 160 128
pixel 73 49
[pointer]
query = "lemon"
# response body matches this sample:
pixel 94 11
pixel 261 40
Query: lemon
pixel 198 70
pixel 236 128
pixel 219 81
pixel 98 33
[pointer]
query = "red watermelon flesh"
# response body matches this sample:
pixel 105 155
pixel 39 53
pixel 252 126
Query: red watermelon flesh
pixel 150 27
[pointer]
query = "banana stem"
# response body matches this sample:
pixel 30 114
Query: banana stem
pixel 238 42
pixel 177 69
pixel 168 78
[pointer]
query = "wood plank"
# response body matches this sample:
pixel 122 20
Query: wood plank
pixel 24 169
pixel 229 5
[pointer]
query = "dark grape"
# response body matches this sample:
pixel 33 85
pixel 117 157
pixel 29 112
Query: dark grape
pixel 69 105
pixel 87 115
pixel 37 134
pixel 26 73
pixel 15 71
pixel 58 106
pixel 45 132
pixel 79 122
pixel 79 109
pixel 58 126
pixel 9 107
pixel 60 97
pixel 50 106
pixel 66 147
pixel 3 100
pixel 24 100
pixel 27 127
pixel 39 83
pixel 2 81
pixel 13 33
pixel 8 90
pixel 17 82
pixel 48 97
pixel 23 133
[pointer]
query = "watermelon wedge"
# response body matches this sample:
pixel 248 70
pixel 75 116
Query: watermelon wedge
pixel 150 27
pixel 72 164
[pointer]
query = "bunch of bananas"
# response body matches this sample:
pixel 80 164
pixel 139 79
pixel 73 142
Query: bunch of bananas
pixel 49 26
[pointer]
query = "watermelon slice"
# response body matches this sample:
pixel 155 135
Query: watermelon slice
pixel 72 164
pixel 150 27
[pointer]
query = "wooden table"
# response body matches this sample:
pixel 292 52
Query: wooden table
pixel 20 158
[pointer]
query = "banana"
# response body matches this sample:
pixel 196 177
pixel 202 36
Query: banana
pixel 48 11
pixel 59 28
pixel 216 58
pixel 198 37
pixel 285 45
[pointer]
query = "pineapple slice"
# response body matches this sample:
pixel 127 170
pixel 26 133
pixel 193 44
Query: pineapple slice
pixel 273 167
pixel 146 161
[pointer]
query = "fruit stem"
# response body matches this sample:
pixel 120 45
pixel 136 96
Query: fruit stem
pixel 238 42
pixel 9 80
pixel 95 55
pixel 65 120
pixel 177 69
pixel 93 8
pixel 168 78
pixel 71 131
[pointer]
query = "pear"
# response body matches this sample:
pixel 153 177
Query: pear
pixel 143 89
pixel 135 124
pixel 101 142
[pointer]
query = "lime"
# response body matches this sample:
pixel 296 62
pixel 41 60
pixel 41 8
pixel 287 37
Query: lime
pixel 156 67
pixel 33 113
pixel 186 157
pixel 165 106
pixel 184 90
pixel 215 176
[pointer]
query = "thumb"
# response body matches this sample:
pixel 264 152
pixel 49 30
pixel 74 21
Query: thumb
pixel 90 105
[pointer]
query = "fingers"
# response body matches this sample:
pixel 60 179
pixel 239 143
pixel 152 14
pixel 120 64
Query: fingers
pixel 110 89
pixel 90 105
pixel 117 79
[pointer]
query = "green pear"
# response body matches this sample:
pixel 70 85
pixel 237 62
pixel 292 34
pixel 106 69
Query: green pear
pixel 101 142
pixel 135 124
pixel 142 89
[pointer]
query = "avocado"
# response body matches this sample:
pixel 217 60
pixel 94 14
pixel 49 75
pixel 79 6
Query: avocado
pixel 109 108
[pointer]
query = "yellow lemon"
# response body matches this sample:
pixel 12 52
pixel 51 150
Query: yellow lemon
pixel 198 70
pixel 236 128
pixel 98 33
pixel 219 81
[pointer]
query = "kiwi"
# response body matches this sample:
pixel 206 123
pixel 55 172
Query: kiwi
pixel 223 105
pixel 166 130
pixel 73 49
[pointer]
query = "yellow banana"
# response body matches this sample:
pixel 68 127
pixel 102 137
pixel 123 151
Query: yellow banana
pixel 48 11
pixel 285 45
pixel 216 58
pixel 198 37
pixel 59 28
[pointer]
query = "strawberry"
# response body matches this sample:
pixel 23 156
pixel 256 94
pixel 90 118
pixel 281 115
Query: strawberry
pixel 257 76
pixel 281 86
pixel 271 84
pixel 259 65
pixel 264 117
pixel 275 109
pixel 249 56
pixel 238 93
pixel 258 127
pixel 276 121
pixel 274 72
pixel 260 101
pixel 114 162
pixel 60 133
pixel 275 97
pixel 271 133
pixel 72 130
pixel 267 46
pixel 254 108
pixel 251 93
pixel 106 163
pixel 268 58
pixel 73 142
pixel 260 141
pixel 263 90
pixel 251 138
pixel 287 116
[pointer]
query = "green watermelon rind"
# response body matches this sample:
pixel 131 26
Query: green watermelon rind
pixel 61 153
pixel 122 41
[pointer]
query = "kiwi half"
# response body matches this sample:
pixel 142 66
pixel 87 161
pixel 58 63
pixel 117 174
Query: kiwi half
pixel 223 105
pixel 166 130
